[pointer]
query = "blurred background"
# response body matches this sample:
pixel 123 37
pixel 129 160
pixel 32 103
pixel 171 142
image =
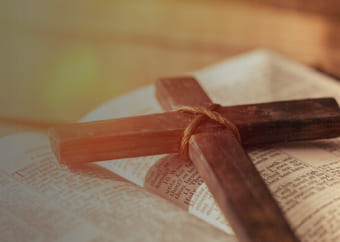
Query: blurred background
pixel 61 59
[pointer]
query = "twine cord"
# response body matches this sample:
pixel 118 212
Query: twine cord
pixel 203 114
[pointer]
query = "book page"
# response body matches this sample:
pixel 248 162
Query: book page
pixel 311 168
pixel 302 177
pixel 42 200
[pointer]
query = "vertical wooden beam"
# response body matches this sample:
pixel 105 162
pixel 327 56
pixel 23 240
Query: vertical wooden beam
pixel 227 170
pixel 238 188
pixel 175 92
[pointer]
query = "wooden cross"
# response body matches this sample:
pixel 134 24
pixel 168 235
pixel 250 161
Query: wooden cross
pixel 218 156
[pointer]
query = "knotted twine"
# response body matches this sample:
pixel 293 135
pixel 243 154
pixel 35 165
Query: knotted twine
pixel 201 115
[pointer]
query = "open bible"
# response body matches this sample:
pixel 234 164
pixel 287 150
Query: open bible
pixel 41 199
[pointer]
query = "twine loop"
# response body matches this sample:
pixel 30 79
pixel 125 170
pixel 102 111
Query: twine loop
pixel 203 114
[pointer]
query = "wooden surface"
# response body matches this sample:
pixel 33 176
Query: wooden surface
pixel 162 133
pixel 61 59
pixel 228 172
pixel 238 188
pixel 175 92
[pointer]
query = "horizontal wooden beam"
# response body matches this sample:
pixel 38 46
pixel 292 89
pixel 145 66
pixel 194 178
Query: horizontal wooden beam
pixel 161 133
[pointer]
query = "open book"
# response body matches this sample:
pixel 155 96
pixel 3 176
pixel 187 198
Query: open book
pixel 120 200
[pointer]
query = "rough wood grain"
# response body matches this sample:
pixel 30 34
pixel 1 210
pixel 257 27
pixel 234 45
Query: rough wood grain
pixel 238 188
pixel 175 92
pixel 162 133
pixel 227 170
